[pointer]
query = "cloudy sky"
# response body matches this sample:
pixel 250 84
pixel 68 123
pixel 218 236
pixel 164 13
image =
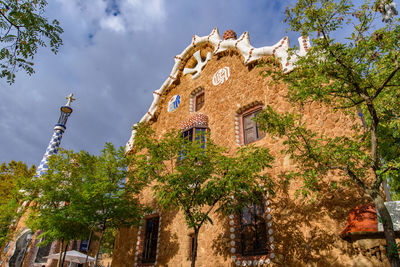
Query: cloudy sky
pixel 115 54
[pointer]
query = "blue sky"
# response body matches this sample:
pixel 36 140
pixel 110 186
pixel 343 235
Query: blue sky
pixel 115 54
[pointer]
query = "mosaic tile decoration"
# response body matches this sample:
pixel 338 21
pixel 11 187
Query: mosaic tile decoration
pixel 52 149
pixel 199 66
pixel 229 34
pixel 197 120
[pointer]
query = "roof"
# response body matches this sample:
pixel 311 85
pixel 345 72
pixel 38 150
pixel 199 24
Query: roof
pixel 242 44
pixel 363 219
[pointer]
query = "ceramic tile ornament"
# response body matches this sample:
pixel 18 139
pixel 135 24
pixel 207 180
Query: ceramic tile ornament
pixel 197 120
pixel 173 103
pixel 221 76
pixel 250 54
pixel 199 66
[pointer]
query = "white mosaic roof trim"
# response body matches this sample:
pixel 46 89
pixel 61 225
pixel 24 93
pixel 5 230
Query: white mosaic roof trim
pixel 242 44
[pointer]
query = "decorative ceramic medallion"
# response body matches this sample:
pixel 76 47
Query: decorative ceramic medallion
pixel 221 76
pixel 173 103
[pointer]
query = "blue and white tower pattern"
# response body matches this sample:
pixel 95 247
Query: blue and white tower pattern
pixel 55 141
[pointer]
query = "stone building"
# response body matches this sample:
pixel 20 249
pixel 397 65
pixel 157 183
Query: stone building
pixel 215 84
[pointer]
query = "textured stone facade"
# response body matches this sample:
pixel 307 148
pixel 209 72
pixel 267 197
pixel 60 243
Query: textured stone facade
pixel 304 233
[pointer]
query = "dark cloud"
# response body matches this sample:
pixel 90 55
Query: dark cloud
pixel 115 54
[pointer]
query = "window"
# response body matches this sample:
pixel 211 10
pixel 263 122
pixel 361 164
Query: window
pixel 199 101
pixel 253 230
pixel 196 134
pixel 250 130
pixel 150 240
pixel 42 252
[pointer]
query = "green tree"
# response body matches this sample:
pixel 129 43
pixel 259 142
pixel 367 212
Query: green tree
pixel 55 195
pixel 352 67
pixel 82 193
pixel 109 193
pixel 199 177
pixel 23 29
pixel 13 177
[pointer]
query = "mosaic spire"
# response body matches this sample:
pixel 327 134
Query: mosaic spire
pixel 55 140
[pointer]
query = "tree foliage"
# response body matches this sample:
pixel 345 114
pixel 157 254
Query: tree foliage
pixel 13 177
pixel 199 177
pixel 351 67
pixel 82 193
pixel 23 29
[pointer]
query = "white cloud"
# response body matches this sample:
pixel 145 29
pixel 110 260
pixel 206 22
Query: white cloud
pixel 114 23
pixel 117 15
pixel 143 14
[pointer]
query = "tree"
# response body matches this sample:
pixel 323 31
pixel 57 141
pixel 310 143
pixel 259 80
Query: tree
pixel 13 177
pixel 81 193
pixel 199 177
pixel 109 192
pixel 355 74
pixel 54 195
pixel 24 29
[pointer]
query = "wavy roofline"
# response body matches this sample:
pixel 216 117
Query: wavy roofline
pixel 242 44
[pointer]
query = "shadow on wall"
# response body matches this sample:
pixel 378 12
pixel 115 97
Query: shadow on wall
pixel 169 245
pixel 220 244
pixel 307 232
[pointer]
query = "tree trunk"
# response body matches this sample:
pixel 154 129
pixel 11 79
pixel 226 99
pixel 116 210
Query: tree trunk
pixel 65 253
pixel 194 250
pixel 61 250
pixel 101 238
pixel 391 249
pixel 88 246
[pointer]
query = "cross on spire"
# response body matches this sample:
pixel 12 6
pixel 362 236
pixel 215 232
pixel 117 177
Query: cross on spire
pixel 70 99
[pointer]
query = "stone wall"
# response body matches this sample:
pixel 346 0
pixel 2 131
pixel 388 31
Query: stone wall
pixel 305 232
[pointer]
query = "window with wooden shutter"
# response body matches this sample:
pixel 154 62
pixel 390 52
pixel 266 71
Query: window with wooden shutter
pixel 250 129
pixel 150 240
pixel 199 101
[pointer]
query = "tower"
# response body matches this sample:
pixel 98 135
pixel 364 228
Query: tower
pixel 55 140
pixel 19 252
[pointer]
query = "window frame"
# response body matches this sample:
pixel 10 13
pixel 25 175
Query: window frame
pixel 150 260
pixel 197 96
pixel 248 112
pixel 193 99
pixel 195 137
pixel 255 225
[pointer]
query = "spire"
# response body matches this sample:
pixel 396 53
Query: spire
pixel 55 140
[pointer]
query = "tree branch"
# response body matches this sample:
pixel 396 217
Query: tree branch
pixel 391 75
pixel 355 178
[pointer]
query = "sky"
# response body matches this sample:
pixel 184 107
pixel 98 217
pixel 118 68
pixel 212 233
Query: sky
pixel 115 54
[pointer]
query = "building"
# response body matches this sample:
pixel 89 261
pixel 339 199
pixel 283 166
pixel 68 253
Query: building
pixel 215 83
